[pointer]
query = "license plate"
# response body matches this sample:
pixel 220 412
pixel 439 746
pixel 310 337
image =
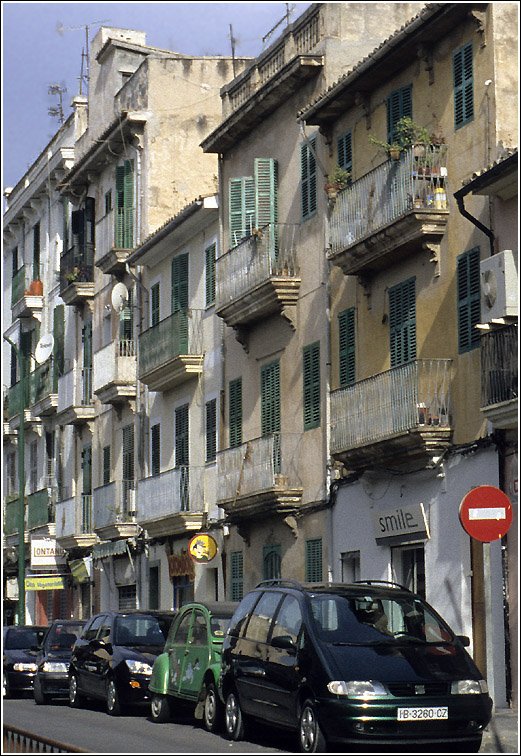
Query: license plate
pixel 420 713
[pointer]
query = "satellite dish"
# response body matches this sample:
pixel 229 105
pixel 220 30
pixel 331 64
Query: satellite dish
pixel 119 297
pixel 44 348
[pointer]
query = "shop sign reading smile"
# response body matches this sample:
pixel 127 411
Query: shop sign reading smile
pixel 400 524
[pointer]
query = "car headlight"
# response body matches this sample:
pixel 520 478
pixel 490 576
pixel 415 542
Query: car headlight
pixel 55 667
pixel 468 687
pixel 357 688
pixel 21 667
pixel 138 668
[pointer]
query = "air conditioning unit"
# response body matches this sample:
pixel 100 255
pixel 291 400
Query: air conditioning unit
pixel 498 287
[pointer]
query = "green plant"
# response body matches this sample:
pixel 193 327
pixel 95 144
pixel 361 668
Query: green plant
pixel 407 133
pixel 338 179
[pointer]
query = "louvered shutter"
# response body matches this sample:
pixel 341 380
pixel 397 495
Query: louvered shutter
pixel 211 430
pixel 241 208
pixel 402 322
pixel 155 449
pixel 235 412
pixel 36 252
pixel 59 342
pixel 399 105
pixel 346 335
pixel 119 218
pixel 463 78
pixel 270 399
pixel 308 172
pixel 345 152
pixel 128 452
pixel 271 562
pixel 266 211
pixel 209 254
pixel 181 435
pixel 86 467
pixel 236 571
pixel 124 217
pixel 311 379
pixel 469 299
pixel 314 560
pixel 106 465
pixel 154 304
pixel 180 300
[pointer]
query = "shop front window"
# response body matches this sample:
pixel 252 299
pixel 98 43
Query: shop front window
pixel 408 565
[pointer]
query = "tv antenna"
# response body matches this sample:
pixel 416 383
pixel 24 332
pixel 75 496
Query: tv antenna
pixel 289 11
pixel 84 72
pixel 56 111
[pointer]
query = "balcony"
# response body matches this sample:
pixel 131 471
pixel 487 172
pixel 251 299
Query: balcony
pixel 260 477
pixel 115 372
pixel 15 400
pixel 74 522
pixel 26 295
pixel 397 419
pixel 75 401
pixel 171 352
pixel 171 503
pixel 397 209
pixel 40 511
pixel 259 277
pixel 44 390
pixel 77 275
pixel 114 510
pixel 109 257
pixel 10 515
pixel 499 376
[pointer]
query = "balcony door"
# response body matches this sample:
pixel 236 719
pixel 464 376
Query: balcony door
pixel 180 301
pixel 270 408
pixel 182 454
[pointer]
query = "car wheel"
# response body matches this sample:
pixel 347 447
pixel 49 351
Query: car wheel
pixel 233 718
pixel 311 737
pixel 40 697
pixel 159 708
pixel 114 707
pixel 76 700
pixel 212 712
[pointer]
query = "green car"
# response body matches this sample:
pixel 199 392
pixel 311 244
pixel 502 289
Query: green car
pixel 189 667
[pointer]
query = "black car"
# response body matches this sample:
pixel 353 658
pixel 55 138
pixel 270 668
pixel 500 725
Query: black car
pixel 19 657
pixel 52 679
pixel 112 659
pixel 357 664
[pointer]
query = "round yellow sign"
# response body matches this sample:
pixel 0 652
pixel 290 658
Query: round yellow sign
pixel 202 548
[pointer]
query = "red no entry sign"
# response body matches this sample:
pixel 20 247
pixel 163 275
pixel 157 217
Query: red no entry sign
pixel 486 513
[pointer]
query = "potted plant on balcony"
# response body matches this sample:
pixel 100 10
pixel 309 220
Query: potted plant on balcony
pixel 72 275
pixel 407 133
pixel 336 181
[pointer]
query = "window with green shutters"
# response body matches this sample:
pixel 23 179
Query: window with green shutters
pixel 128 452
pixel 314 560
pixel 106 465
pixel 180 300
pixel 211 430
pixel 59 341
pixel 155 449
pixel 311 378
pixel 345 152
pixel 236 576
pixel 181 435
pixel 399 105
pixel 86 467
pixel 469 299
pixel 241 208
pixel 463 80
pixel 124 218
pixel 402 322
pixel 154 304
pixel 126 319
pixel 209 255
pixel 36 252
pixel 235 412
pixel 271 562
pixel 346 343
pixel 270 398
pixel 266 199
pixel 308 178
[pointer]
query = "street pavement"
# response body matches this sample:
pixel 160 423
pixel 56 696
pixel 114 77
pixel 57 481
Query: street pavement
pixel 501 736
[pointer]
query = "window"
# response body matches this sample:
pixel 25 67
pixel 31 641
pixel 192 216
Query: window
pixel 14 367
pixel 59 341
pixel 271 562
pixel 235 412
pixel 33 466
pixel 211 430
pixel 399 105
pixel 124 228
pixel 314 560
pixel 350 562
pixel 154 586
pixel 36 252
pixel 126 324
pixel 14 261
pixel 180 301
pixel 253 202
pixel 408 565
pixel 155 449
pixel 181 435
pixel 463 79
pixel 345 152
pixel 12 485
pixel 236 575
pixel 469 300
pixel 106 465
pixel 308 176
pixel 209 255
pixel 270 398
pixel 108 202
pixel 241 208
pixel 346 339
pixel 262 616
pixel 311 378
pixel 288 620
pixel 126 597
pixel 49 457
pixel 128 452
pixel 402 322
pixel 154 304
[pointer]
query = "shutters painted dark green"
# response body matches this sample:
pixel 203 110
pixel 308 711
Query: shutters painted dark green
pixel 345 152
pixel 154 304
pixel 241 208
pixel 211 430
pixel 346 339
pixel 36 252
pixel 235 412
pixel 209 255
pixel 155 449
pixel 181 435
pixel 59 341
pixel 270 398
pixel 402 322
pixel 463 79
pixel 106 465
pixel 311 379
pixel 180 299
pixel 271 562
pixel 399 105
pixel 124 218
pixel 469 300
pixel 308 178
pixel 314 560
pixel 236 576
pixel 128 452
pixel 266 199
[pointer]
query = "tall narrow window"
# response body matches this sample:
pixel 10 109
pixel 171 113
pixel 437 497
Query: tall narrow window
pixel 128 452
pixel 59 342
pixel 180 301
pixel 181 436
pixel 235 412
pixel 236 576
pixel 155 449
pixel 211 430
pixel 314 560
pixel 402 322
pixel 124 220
pixel 271 562
pixel 346 344
pixel 14 261
pixel 241 208
pixel 36 252
pixel 469 300
pixel 154 304
pixel 399 105
pixel 463 78
pixel 209 255
pixel 270 398
pixel 33 466
pixel 266 201
pixel 126 321
pixel 311 379
pixel 106 465
pixel 308 178
pixel 345 152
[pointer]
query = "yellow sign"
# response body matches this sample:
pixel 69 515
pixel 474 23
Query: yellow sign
pixel 55 583
pixel 202 548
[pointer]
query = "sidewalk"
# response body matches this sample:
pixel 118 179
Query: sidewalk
pixel 501 736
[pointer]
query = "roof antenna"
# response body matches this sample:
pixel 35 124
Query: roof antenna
pixel 289 11
pixel 84 72
pixel 56 111
pixel 233 41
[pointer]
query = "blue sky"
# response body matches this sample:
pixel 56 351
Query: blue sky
pixel 35 54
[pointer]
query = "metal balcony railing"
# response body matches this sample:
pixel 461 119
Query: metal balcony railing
pixel 40 509
pixel 116 362
pixel 499 370
pixel 75 388
pixel 413 396
pixel 179 334
pixel 15 399
pixel 18 285
pixel 177 490
pixel 416 181
pixel 77 265
pixel 11 509
pixel 43 382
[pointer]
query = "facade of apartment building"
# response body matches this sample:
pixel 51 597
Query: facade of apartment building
pixel 407 429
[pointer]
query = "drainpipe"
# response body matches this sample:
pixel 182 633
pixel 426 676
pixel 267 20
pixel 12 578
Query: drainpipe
pixel 459 197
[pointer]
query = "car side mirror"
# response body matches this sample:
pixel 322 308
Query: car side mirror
pixel 464 640
pixel 233 632
pixel 284 642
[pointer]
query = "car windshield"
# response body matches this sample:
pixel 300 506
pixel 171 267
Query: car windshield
pixel 140 630
pixel 372 619
pixel 219 625
pixel 22 638
pixel 62 636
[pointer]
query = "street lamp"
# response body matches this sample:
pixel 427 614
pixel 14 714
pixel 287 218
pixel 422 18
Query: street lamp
pixel 21 485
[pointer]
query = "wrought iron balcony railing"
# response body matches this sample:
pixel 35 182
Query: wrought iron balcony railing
pixel 499 366
pixel 172 492
pixel 177 335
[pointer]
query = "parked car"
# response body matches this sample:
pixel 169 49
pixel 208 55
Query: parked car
pixel 53 657
pixel 112 659
pixel 355 664
pixel 19 657
pixel 189 667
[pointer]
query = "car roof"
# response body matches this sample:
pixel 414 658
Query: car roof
pixel 217 608
pixel 379 588
pixel 136 612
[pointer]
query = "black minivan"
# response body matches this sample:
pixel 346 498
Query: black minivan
pixel 366 663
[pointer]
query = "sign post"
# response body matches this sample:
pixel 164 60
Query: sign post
pixel 485 513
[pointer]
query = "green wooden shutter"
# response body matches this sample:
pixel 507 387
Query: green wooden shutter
pixel 314 560
pixel 124 218
pixel 266 199
pixel 119 218
pixel 402 322
pixel 128 452
pixel 106 465
pixel 235 412
pixel 154 304
pixel 463 79
pixel 59 342
pixel 469 299
pixel 211 430
pixel 209 255
pixel 270 399
pixel 308 171
pixel 241 208
pixel 36 252
pixel 181 435
pixel 345 152
pixel 399 105
pixel 236 575
pixel 311 378
pixel 180 300
pixel 155 449
pixel 346 339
